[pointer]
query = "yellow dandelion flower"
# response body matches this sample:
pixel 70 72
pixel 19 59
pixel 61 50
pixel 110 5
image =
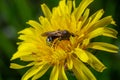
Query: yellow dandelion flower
pixel 61 40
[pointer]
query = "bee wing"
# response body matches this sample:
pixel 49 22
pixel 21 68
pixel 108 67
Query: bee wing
pixel 45 34
pixel 52 33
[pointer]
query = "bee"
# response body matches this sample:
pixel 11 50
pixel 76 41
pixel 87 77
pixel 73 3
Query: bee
pixel 59 34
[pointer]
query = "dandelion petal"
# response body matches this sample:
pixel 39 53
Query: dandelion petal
pixel 17 66
pixel 54 73
pixel 46 11
pixel 62 75
pixel 81 54
pixel 103 46
pixel 95 63
pixel 82 70
pixel 41 72
pixel 31 72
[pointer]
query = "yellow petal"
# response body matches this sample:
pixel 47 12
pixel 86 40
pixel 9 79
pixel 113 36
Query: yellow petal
pixel 105 31
pixel 81 8
pixel 32 71
pixel 102 23
pixel 96 16
pixel 34 24
pixel 95 63
pixel 96 32
pixel 41 72
pixel 69 63
pixel 86 26
pixel 74 4
pixel 69 4
pixel 81 54
pixel 92 20
pixel 46 11
pixel 73 41
pixel 72 23
pixel 85 42
pixel 62 75
pixel 63 8
pixel 78 27
pixel 26 37
pixel 103 46
pixel 23 50
pixel 19 54
pixel 17 66
pixel 55 72
pixel 85 15
pixel 110 32
pixel 79 74
pixel 27 31
pixel 31 35
pixel 82 71
pixel 28 58
pixel 45 22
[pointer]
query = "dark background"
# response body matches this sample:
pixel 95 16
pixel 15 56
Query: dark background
pixel 13 17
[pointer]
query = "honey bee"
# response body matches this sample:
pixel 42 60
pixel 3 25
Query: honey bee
pixel 60 34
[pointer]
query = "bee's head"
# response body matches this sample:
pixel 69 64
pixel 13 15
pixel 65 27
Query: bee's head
pixel 49 39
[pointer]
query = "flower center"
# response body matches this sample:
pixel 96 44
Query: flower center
pixel 61 52
pixel 63 44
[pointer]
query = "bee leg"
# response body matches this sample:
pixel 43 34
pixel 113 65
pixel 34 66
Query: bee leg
pixel 60 38
pixel 55 42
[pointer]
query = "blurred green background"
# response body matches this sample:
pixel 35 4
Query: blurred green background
pixel 13 17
